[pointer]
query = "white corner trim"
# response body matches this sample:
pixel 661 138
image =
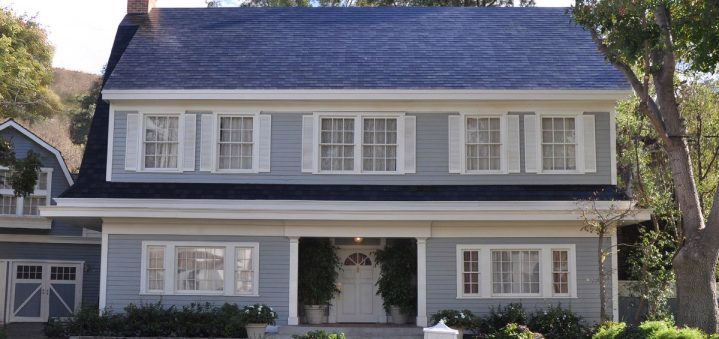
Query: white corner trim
pixel 360 94
pixel 615 277
pixel 421 282
pixel 110 142
pixel 293 318
pixel 43 143
pixel 613 150
pixel 103 273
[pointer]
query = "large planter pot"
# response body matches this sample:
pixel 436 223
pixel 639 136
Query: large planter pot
pixel 255 331
pixel 314 314
pixel 398 317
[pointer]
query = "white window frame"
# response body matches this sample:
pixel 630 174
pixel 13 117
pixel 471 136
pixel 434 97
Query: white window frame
pixel 20 201
pixel 216 141
pixel 180 141
pixel 579 137
pixel 359 140
pixel 545 271
pixel 503 169
pixel 230 265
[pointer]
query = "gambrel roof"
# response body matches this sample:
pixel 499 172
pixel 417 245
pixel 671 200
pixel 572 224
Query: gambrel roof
pixel 361 48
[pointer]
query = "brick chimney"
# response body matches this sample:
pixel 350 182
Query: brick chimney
pixel 140 6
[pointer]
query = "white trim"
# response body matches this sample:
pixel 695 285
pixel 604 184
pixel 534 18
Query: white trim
pixel 612 149
pixel 3 289
pixel 578 136
pixel 216 140
pixel 545 271
pixel 103 272
pixel 48 239
pixel 35 138
pixel 421 320
pixel 360 94
pixel 110 143
pixel 293 318
pixel 324 210
pixel 502 148
pixel 615 277
pixel 230 261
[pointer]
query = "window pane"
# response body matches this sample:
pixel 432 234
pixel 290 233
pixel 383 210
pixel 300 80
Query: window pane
pixel 31 204
pixel 8 205
pixel 515 271
pixel 337 144
pixel 483 144
pixel 560 271
pixel 235 143
pixel 161 142
pixel 155 268
pixel 244 273
pixel 379 149
pixel 558 144
pixel 200 268
pixel 470 274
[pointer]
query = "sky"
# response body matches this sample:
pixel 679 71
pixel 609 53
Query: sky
pixel 82 31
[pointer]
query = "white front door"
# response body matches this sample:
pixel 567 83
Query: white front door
pixel 357 301
pixel 39 290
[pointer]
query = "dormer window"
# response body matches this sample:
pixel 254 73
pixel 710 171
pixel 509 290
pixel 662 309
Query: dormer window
pixel 13 205
pixel 161 141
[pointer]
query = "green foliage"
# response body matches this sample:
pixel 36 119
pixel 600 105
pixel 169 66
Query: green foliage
pixel 503 315
pixel 81 118
pixel 650 268
pixel 3 335
pixel 513 331
pixel 258 314
pixel 153 320
pixel 318 271
pixel 454 318
pixel 25 69
pixel 320 334
pixel 648 330
pixel 555 322
pixel 398 275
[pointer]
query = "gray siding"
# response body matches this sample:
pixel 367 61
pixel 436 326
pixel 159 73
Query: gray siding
pixel 442 278
pixel 90 254
pixel 123 273
pixel 432 162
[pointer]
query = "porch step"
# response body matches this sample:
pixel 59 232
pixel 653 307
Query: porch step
pixel 352 331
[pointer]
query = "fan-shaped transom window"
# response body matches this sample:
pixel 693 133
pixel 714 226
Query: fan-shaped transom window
pixel 358 259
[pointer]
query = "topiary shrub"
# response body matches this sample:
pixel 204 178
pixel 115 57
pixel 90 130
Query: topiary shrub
pixel 555 322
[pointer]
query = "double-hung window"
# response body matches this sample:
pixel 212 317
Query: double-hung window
pixel 235 145
pixel 516 271
pixel 483 144
pixel 361 143
pixel 161 141
pixel 29 205
pixel 208 268
pixel 559 143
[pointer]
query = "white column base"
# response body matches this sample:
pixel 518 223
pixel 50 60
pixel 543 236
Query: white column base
pixel 422 321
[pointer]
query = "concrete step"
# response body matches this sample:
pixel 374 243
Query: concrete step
pixel 360 331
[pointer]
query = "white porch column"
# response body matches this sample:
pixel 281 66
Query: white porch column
pixel 422 282
pixel 294 253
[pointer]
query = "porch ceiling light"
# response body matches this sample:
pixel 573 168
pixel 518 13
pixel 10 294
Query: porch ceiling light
pixel 358 240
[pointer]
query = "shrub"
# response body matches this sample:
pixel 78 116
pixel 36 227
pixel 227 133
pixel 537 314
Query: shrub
pixel 319 334
pixel 513 331
pixel 3 335
pixel 454 318
pixel 258 314
pixel 652 327
pixel 558 323
pixel 502 316
pixel 648 330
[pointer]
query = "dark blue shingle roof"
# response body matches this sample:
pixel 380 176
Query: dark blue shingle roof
pixel 361 48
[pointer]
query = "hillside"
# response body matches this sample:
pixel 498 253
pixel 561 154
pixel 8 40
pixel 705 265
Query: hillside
pixel 70 84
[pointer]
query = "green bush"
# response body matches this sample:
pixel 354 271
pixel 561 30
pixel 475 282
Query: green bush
pixel 609 330
pixel 648 330
pixel 558 323
pixel 502 316
pixel 454 319
pixel 258 314
pixel 513 331
pixel 3 335
pixel 319 334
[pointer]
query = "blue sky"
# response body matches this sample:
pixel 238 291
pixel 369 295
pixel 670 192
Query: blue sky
pixel 82 31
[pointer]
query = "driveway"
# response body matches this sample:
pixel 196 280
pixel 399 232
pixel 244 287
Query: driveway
pixel 26 331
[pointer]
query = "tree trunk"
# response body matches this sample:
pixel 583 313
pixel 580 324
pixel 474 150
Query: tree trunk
pixel 602 278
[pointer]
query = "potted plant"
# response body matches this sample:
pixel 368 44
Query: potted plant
pixel 317 276
pixel 256 318
pixel 458 320
pixel 397 282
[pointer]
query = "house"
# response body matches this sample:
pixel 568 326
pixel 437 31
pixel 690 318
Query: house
pixel 47 268
pixel 224 135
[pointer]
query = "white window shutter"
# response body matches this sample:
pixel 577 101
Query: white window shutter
pixel 590 148
pixel 410 144
pixel 188 153
pixel 513 144
pixel 265 140
pixel 530 143
pixel 132 142
pixel 308 143
pixel 207 140
pixel 455 144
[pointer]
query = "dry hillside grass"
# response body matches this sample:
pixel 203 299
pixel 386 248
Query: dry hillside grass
pixel 69 84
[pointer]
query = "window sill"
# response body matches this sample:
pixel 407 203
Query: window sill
pixel 483 172
pixel 358 173
pixel 560 172
pixel 229 171
pixel 160 170
pixel 197 294
pixel 517 297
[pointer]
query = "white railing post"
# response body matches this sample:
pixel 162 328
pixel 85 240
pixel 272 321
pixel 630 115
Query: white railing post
pixel 440 331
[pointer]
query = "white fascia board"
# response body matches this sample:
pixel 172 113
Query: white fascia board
pixel 25 222
pixel 368 94
pixel 323 210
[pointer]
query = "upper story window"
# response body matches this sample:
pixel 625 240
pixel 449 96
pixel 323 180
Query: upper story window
pixel 483 144
pixel 13 205
pixel 235 143
pixel 161 141
pixel 559 143
pixel 357 143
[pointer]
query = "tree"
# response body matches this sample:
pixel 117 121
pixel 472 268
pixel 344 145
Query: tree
pixel 81 118
pixel 25 69
pixel 646 40
pixel 603 221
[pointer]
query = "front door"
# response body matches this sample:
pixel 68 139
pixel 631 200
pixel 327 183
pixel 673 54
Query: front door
pixel 357 301
pixel 39 290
